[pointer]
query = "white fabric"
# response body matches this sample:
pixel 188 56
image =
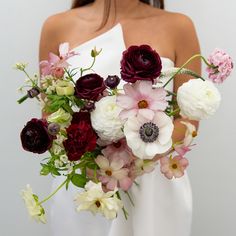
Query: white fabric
pixel 162 207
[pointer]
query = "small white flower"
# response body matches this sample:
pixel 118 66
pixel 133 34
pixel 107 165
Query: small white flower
pixel 198 99
pixel 35 210
pixel 105 119
pixel 96 201
pixel 64 158
pixel 148 137
pixel 20 66
pixel 58 163
pixel 190 133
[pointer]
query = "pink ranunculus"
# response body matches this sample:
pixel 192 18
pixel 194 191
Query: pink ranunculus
pixel 119 150
pixel 112 173
pixel 173 167
pixel 141 98
pixel 223 64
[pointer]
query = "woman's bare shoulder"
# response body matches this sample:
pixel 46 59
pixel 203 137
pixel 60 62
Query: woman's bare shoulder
pixel 54 28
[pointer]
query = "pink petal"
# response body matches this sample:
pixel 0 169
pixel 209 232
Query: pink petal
pixel 125 183
pixel 53 58
pixel 120 174
pixel 130 91
pixel 125 114
pixel 126 102
pixel 144 87
pixel 146 113
pixel 102 162
pixel 112 184
pixel 117 164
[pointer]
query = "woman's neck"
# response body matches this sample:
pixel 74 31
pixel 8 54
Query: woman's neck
pixel 119 9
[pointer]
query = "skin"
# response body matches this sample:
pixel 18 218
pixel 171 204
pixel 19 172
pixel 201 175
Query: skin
pixel 172 35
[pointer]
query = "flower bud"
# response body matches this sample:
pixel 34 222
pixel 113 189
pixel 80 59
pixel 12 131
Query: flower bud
pixel 89 106
pixel 58 72
pixel 64 88
pixel 33 92
pixel 112 81
pixel 53 128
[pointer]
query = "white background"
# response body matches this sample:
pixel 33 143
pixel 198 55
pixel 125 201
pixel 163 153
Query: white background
pixel 212 171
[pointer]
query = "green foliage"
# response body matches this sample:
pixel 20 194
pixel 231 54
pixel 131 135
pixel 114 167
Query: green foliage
pixel 79 180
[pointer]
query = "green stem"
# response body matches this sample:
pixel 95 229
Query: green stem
pixel 21 100
pixel 53 193
pixel 126 214
pixel 186 63
pixel 83 70
pixel 173 113
pixel 131 200
pixel 67 108
pixel 34 85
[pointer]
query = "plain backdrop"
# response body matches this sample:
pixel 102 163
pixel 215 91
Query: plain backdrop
pixel 213 161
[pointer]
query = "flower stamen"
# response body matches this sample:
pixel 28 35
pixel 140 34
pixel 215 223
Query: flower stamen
pixel 97 203
pixel 142 104
pixel 149 132
pixel 108 172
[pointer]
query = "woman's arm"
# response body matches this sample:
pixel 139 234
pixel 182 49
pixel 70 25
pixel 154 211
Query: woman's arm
pixel 186 44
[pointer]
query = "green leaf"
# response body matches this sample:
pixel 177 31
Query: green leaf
pixel 79 180
pixel 45 170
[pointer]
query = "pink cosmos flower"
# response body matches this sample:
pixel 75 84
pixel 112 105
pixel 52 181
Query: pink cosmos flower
pixel 112 173
pixel 223 66
pixel 54 62
pixel 119 150
pixel 173 167
pixel 141 98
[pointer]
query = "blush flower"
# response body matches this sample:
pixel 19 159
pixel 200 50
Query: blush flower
pixel 95 200
pixel 112 173
pixel 222 66
pixel 141 98
pixel 173 167
pixel 55 64
pixel 148 137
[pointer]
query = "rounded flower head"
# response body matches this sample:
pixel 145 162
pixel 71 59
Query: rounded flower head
pixel 148 137
pixel 198 99
pixel 35 210
pixel 95 200
pixel 222 66
pixel 112 173
pixel 140 63
pixel 35 136
pixel 141 98
pixel 90 86
pixel 105 119
pixel 173 167
pixel 81 138
pixel 60 116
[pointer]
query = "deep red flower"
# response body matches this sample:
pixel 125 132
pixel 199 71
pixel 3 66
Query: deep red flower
pixel 35 136
pixel 89 87
pixel 81 116
pixel 81 138
pixel 140 63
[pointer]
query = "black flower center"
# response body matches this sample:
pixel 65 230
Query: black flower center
pixel 98 204
pixel 149 132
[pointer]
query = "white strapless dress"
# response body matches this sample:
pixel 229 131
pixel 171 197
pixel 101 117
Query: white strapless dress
pixel 162 207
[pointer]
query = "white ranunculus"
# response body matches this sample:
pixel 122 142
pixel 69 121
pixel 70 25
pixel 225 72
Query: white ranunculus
pixel 35 210
pixel 105 119
pixel 198 99
pixel 96 201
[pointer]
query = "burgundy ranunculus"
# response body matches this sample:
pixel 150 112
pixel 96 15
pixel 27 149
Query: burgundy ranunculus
pixel 81 116
pixel 35 137
pixel 140 63
pixel 89 87
pixel 81 138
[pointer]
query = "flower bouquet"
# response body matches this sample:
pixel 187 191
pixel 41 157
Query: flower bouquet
pixel 101 135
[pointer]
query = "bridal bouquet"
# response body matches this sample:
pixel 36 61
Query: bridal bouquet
pixel 101 136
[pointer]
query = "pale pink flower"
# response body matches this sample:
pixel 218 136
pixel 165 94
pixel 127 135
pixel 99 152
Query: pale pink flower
pixel 119 150
pixel 223 64
pixel 54 62
pixel 173 167
pixel 181 149
pixel 141 98
pixel 112 173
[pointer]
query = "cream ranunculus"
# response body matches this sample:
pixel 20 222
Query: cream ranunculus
pixel 105 119
pixel 96 201
pixel 198 99
pixel 64 88
pixel 35 210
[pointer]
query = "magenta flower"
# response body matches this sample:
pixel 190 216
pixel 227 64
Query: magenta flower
pixel 113 174
pixel 119 150
pixel 141 98
pixel 173 167
pixel 55 63
pixel 222 66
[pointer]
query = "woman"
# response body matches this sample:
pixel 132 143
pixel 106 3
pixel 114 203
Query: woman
pixel 162 207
